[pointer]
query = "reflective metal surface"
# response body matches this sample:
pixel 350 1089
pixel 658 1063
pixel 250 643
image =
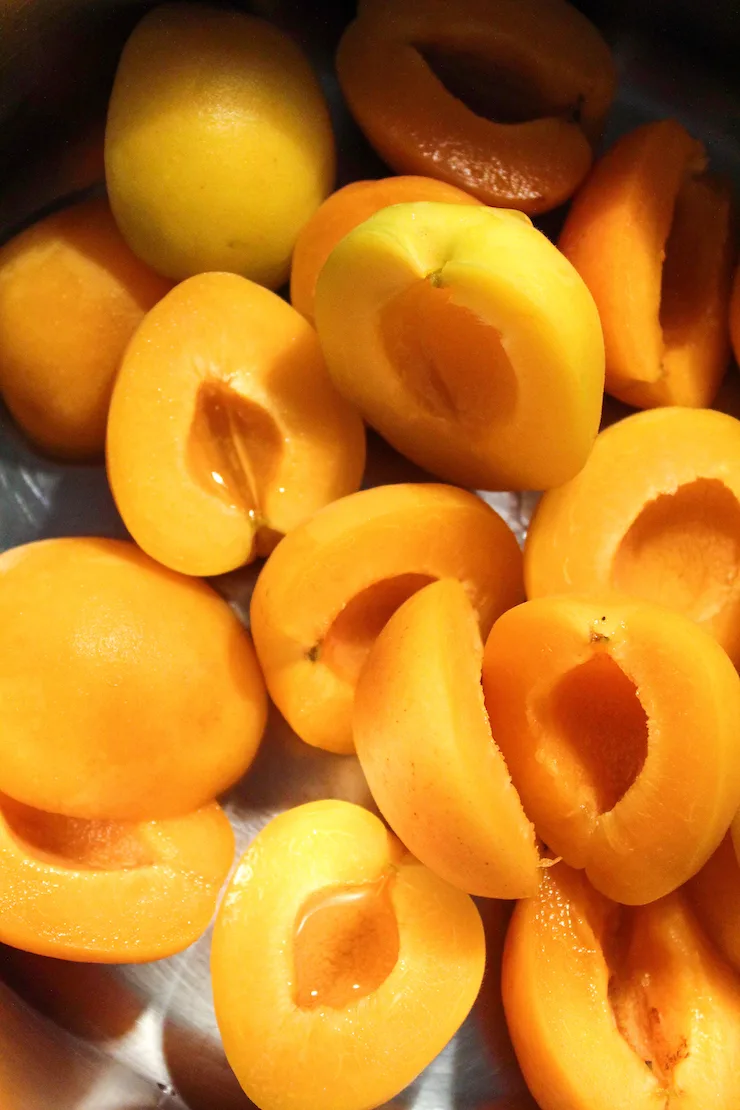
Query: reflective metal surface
pixel 82 1037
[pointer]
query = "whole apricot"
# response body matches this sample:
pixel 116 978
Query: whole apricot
pixel 218 144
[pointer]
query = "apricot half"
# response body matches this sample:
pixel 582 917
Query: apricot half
pixel 620 1008
pixel 500 97
pixel 424 741
pixel 715 895
pixel 127 692
pixel 618 721
pixel 468 341
pixel 651 235
pixel 329 587
pixel 330 943
pixel 225 430
pixel 654 513
pixel 106 891
pixel 71 296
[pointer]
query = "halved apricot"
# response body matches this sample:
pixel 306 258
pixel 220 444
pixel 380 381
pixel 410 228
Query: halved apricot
pixel 71 296
pixel 127 692
pixel 619 1008
pixel 107 891
pixel 330 943
pixel 330 586
pixel 651 235
pixel 424 741
pixel 654 513
pixel 225 430
pixel 715 895
pixel 618 721
pixel 468 341
pixel 500 97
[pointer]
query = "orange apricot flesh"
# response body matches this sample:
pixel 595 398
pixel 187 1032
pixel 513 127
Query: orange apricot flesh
pixel 714 893
pixel 107 891
pixel 651 235
pixel 654 513
pixel 423 739
pixel 330 586
pixel 225 431
pixel 618 723
pixel 620 1008
pixel 127 692
pixel 75 278
pixel 329 944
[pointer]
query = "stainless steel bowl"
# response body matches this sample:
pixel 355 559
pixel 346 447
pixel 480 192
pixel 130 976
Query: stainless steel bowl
pixel 85 1037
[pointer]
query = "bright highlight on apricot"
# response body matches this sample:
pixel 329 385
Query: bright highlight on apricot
pixel 651 234
pixel 618 722
pixel 225 430
pixel 468 341
pixel 329 944
pixel 328 589
pixel 500 99
pixel 655 513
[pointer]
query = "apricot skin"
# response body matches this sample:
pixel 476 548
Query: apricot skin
pixel 714 893
pixel 127 692
pixel 351 1055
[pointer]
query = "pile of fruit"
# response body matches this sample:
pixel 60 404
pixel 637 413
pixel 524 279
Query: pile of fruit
pixel 577 751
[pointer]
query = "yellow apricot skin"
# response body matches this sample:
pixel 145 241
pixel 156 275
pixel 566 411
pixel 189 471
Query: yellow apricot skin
pixel 218 144
pixel 468 341
pixel 293 1049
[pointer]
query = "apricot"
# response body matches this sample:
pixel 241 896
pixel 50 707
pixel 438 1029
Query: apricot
pixel 330 586
pixel 651 235
pixel 218 144
pixel 106 891
pixel 654 513
pixel 620 1008
pixel 330 944
pixel 618 722
pixel 468 341
pixel 424 742
pixel 343 211
pixel 225 430
pixel 500 98
pixel 714 893
pixel 73 277
pixel 127 692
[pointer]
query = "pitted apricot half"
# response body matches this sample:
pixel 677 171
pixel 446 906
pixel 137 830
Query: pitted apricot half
pixel 330 586
pixel 225 430
pixel 651 234
pixel 618 721
pixel 330 943
pixel 424 741
pixel 499 98
pixel 654 513
pixel 715 895
pixel 620 1008
pixel 106 891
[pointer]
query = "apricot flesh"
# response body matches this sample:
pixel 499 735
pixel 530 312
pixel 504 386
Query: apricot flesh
pixel 714 893
pixel 616 1007
pixel 329 587
pixel 225 430
pixel 127 692
pixel 654 513
pixel 329 944
pixel 618 723
pixel 423 739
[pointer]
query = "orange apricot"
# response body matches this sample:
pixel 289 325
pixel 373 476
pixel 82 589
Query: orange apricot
pixel 329 946
pixel 225 430
pixel 499 97
pixel 715 895
pixel 329 587
pixel 654 513
pixel 72 276
pixel 619 1008
pixel 735 315
pixel 343 211
pixel 127 692
pixel 618 722
pixel 106 891
pixel 651 235
pixel 424 742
